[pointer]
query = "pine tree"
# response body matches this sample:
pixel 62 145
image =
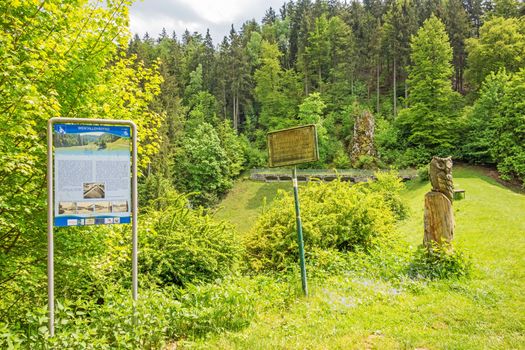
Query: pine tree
pixel 458 29
pixel 400 24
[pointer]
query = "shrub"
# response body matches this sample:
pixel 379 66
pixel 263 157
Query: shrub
pixel 335 216
pixel 423 173
pixel 366 162
pixel 255 158
pixel 441 262
pixel 389 185
pixel 161 315
pixel 215 308
pixel 181 246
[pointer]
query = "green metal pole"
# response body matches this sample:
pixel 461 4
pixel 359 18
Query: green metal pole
pixel 299 231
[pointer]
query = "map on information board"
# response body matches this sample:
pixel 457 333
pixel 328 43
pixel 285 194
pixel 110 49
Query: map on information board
pixel 92 174
pixel 293 146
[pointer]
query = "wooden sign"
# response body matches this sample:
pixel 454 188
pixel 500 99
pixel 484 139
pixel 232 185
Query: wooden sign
pixel 293 146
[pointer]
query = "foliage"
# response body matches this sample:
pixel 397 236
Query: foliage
pixel 254 157
pixel 481 131
pixel 233 148
pixel 275 89
pixel 430 121
pixel 161 316
pixel 311 111
pixel 180 246
pixel 386 140
pixel 442 261
pixel 58 59
pixel 501 44
pixel 389 185
pixel 496 127
pixel 509 149
pixel 423 173
pixel 335 216
pixel 202 166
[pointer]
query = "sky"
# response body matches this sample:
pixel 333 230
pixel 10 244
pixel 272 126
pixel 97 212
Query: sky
pixel 196 15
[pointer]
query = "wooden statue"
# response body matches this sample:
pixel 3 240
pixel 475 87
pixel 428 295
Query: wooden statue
pixel 439 215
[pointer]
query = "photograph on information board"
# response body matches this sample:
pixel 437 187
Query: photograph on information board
pixel 92 174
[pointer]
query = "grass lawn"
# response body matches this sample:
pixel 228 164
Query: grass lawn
pixel 486 311
pixel 243 203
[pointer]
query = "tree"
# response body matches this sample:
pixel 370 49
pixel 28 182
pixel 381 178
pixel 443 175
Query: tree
pixel 342 58
pixel 497 124
pixel 501 44
pixel 474 10
pixel 506 8
pixel 458 29
pixel 400 24
pixel 481 132
pixel 58 60
pixel 317 54
pixel 430 121
pixel 276 90
pixel 202 167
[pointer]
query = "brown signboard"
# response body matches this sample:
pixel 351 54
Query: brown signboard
pixel 293 146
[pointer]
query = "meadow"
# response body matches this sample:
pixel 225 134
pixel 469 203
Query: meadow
pixel 374 310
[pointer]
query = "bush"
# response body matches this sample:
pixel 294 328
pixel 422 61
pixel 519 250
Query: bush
pixel 181 246
pixel 366 162
pixel 423 173
pixel 255 158
pixel 389 185
pixel 341 159
pixel 161 315
pixel 335 216
pixel 441 262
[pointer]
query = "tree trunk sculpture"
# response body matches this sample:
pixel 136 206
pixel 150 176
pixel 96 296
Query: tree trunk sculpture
pixel 439 215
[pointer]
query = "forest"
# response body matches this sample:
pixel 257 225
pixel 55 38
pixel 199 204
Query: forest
pixel 437 77
pixel 433 73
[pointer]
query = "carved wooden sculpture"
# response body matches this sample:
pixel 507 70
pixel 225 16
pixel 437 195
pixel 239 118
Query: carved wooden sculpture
pixel 439 215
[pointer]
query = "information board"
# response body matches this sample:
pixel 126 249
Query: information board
pixel 293 146
pixel 92 174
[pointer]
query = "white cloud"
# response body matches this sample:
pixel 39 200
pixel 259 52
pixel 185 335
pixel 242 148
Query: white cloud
pixel 196 15
pixel 217 11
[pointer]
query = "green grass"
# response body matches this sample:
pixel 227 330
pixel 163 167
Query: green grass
pixel 486 311
pixel 244 202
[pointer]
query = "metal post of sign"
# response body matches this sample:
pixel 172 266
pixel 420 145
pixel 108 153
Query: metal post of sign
pixel 50 207
pixel 50 248
pixel 134 205
pixel 299 231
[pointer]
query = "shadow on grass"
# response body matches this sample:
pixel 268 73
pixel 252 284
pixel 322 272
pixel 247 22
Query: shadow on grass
pixel 268 191
pixel 487 174
pixel 465 171
pixel 416 184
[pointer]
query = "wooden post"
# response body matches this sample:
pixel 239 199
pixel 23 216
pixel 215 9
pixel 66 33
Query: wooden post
pixel 439 219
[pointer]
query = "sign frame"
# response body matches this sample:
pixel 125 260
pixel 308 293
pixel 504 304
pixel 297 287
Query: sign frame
pixel 314 156
pixel 50 204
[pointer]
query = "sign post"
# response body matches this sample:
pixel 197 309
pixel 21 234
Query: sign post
pixel 290 147
pixel 88 183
